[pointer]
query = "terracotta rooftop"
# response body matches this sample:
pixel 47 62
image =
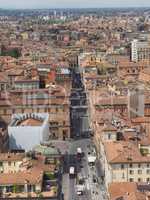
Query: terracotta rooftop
pixel 31 177
pixel 11 157
pixel 132 64
pixel 30 122
pixel 109 127
pixel 120 100
pixel 126 190
pixel 146 71
pixel 15 72
pixel 124 152
pixel 26 79
pixel 33 170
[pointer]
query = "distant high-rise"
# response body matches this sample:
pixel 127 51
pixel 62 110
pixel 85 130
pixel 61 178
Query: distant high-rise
pixel 140 51
pixel 55 13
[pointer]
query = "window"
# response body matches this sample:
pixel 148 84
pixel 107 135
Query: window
pixel 131 179
pixel 33 188
pixel 130 165
pixel 65 134
pixel 139 179
pixel 139 171
pixel 109 136
pixel 148 165
pixel 29 188
pixel 139 165
pixel 122 166
pixel 148 171
pixel 1 164
pixel 9 189
pixel 2 87
pixel 131 172
pixel 9 163
pixel 148 180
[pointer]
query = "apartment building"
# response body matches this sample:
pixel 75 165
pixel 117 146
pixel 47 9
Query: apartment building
pixel 140 51
pixel 27 176
pixel 124 162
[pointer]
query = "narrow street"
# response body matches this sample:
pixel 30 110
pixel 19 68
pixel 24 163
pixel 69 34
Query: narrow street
pixel 80 129
pixel 79 108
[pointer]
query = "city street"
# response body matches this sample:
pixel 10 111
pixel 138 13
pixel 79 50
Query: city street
pixel 93 190
pixel 79 109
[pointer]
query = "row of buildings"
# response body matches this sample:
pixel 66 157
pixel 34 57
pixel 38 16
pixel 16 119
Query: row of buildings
pixel 119 115
pixel 33 175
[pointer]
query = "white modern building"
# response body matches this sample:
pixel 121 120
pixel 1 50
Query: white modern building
pixel 134 55
pixel 28 130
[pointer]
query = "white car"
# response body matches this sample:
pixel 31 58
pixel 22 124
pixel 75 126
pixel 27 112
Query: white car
pixel 79 193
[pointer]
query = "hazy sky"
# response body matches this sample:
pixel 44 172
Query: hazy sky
pixel 72 3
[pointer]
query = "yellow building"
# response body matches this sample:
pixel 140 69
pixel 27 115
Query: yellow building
pixel 23 176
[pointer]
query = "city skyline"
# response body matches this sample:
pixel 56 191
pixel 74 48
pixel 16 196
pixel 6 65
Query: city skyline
pixel 15 4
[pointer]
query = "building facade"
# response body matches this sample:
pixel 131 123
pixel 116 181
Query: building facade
pixel 140 51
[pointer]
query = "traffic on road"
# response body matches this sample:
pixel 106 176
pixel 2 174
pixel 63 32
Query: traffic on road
pixel 84 181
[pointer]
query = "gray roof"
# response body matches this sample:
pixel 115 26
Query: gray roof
pixel 46 150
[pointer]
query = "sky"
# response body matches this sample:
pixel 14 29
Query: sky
pixel 72 3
